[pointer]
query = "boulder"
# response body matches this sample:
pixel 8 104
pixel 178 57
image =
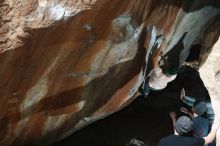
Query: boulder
pixel 65 64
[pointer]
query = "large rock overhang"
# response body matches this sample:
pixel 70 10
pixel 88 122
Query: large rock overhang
pixel 65 64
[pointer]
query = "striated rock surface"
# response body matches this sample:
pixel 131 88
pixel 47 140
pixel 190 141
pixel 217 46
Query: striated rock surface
pixel 65 64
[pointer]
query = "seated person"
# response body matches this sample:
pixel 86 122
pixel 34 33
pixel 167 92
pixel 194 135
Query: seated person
pixel 182 127
pixel 200 122
pixel 157 79
pixel 199 106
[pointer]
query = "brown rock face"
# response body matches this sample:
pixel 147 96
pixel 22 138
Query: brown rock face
pixel 67 63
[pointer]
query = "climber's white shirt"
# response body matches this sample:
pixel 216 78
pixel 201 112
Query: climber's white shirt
pixel 158 80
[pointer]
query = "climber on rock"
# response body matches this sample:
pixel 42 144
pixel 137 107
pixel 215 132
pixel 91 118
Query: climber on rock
pixel 182 128
pixel 157 79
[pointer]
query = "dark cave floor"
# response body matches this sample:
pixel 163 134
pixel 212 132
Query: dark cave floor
pixel 141 119
pixel 146 118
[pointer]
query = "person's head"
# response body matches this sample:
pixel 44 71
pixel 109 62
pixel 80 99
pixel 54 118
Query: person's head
pixel 183 125
pixel 135 142
pixel 200 108
pixel 170 70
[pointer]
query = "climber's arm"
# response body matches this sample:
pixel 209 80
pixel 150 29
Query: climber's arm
pixel 157 54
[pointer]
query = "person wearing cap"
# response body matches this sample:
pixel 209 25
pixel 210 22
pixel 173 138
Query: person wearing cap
pixel 157 79
pixel 203 108
pixel 182 127
pixel 201 124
